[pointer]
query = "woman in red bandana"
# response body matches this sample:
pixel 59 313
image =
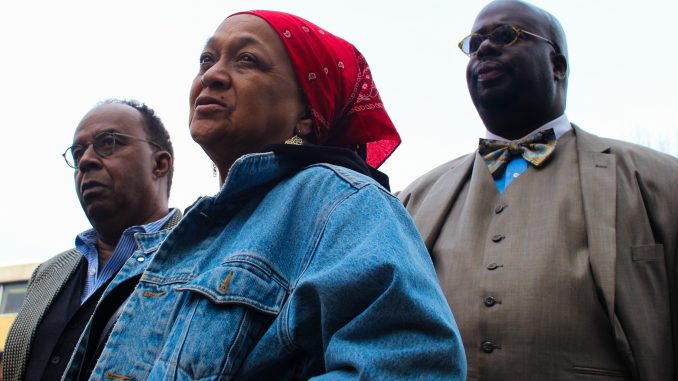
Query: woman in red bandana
pixel 303 265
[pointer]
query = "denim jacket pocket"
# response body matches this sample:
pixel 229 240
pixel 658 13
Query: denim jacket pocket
pixel 226 311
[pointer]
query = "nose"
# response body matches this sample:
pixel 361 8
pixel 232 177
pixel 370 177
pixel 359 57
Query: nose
pixel 89 160
pixel 487 48
pixel 216 77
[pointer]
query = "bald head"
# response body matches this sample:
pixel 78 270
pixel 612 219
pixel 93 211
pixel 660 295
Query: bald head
pixel 548 24
pixel 518 85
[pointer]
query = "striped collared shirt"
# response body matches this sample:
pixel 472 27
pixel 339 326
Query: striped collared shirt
pixel 86 243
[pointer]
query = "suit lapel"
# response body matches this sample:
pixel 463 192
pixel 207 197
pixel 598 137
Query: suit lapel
pixel 173 221
pixel 597 171
pixel 432 215
pixel 49 279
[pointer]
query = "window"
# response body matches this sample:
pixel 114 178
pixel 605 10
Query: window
pixel 12 296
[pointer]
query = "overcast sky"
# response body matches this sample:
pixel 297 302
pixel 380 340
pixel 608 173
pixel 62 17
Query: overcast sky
pixel 59 58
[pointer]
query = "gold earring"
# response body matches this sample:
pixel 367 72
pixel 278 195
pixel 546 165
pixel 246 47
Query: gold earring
pixel 296 140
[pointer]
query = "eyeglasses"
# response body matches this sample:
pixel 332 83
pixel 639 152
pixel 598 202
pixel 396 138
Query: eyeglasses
pixel 505 35
pixel 104 145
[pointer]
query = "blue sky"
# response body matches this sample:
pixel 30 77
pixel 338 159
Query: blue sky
pixel 60 58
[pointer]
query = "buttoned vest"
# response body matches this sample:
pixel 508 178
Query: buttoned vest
pixel 515 269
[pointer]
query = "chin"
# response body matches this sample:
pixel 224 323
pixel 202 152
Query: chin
pixel 204 132
pixel 492 98
pixel 200 133
pixel 98 212
pixel 492 102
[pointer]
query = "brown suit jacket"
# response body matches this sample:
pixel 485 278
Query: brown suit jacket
pixel 47 281
pixel 631 217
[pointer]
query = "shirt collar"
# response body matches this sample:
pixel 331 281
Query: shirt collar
pixel 86 242
pixel 560 126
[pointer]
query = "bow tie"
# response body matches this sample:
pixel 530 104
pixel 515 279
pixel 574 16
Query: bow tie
pixel 535 149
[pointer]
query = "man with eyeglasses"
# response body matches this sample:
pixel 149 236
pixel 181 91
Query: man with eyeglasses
pixel 123 162
pixel 556 249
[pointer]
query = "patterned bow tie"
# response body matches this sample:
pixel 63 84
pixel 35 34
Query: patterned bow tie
pixel 535 149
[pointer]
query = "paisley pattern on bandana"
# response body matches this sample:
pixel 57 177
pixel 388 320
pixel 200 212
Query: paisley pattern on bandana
pixel 535 149
pixel 345 103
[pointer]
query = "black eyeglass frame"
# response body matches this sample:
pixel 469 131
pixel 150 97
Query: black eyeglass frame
pixel 99 138
pixel 518 32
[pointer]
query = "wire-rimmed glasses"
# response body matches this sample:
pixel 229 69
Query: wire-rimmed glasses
pixel 504 35
pixel 104 144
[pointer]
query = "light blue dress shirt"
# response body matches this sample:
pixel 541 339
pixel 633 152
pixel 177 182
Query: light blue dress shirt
pixel 86 243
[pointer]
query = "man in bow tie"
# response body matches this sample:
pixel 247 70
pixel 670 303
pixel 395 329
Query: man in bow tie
pixel 556 248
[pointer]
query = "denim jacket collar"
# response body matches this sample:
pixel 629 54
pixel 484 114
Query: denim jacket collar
pixel 251 171
pixel 231 298
pixel 149 242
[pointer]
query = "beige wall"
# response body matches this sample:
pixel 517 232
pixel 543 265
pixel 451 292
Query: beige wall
pixel 16 273
pixel 11 274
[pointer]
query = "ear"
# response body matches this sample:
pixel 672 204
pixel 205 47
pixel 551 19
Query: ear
pixel 304 127
pixel 162 163
pixel 559 67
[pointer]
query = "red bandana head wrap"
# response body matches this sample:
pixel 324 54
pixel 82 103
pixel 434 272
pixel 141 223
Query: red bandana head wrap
pixel 346 106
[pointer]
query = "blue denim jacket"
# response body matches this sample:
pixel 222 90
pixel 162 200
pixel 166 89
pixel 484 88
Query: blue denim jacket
pixel 285 274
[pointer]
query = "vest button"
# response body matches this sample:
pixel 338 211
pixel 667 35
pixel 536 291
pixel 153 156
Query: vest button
pixel 492 266
pixel 487 347
pixel 490 301
pixel 498 237
pixel 55 359
pixel 499 208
